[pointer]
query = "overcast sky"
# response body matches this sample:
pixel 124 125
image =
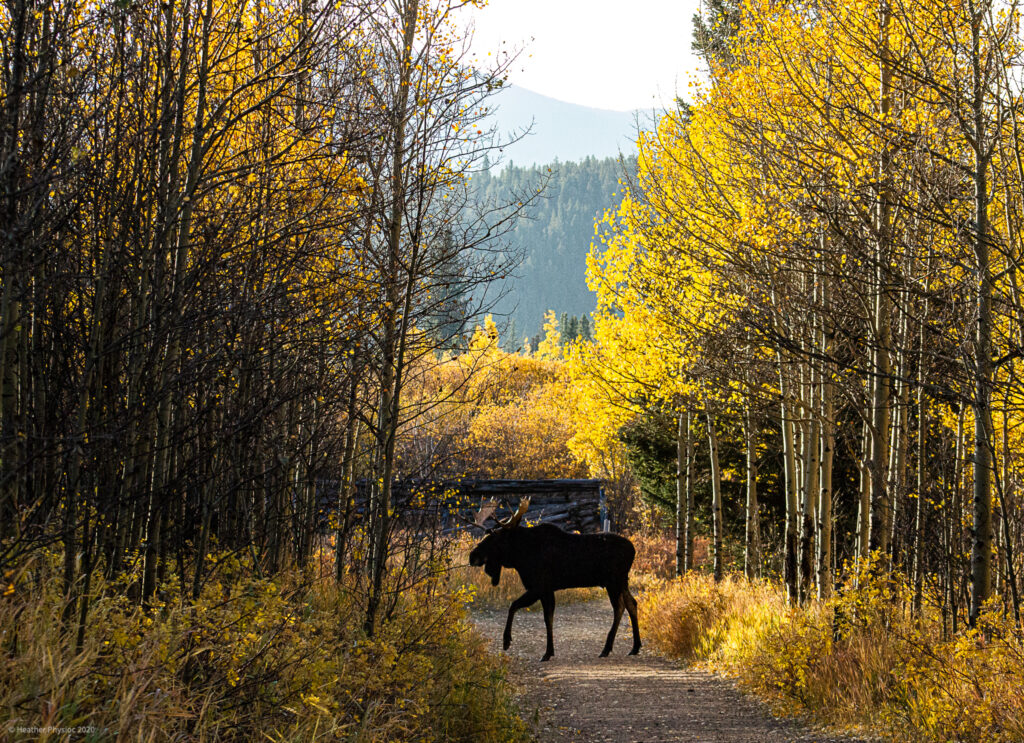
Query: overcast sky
pixel 636 56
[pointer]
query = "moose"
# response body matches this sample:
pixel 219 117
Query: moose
pixel 549 559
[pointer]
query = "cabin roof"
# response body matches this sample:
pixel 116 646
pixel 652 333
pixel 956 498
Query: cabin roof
pixel 574 504
pixel 535 486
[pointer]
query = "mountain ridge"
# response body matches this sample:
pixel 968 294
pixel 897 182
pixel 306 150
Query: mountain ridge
pixel 560 131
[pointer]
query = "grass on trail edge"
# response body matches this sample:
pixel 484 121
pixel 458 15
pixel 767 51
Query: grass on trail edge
pixel 858 663
pixel 279 660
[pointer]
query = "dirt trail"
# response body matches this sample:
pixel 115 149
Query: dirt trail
pixel 577 696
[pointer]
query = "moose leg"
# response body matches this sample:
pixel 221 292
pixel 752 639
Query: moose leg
pixel 631 608
pixel 528 598
pixel 548 602
pixel 616 597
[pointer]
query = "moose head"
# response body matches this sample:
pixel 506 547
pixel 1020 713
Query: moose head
pixel 493 552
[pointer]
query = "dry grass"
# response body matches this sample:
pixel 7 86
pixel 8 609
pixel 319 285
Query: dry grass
pixel 692 618
pixel 858 662
pixel 251 660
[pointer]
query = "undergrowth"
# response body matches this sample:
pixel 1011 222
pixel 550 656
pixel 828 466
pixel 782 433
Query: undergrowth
pixel 859 661
pixel 251 659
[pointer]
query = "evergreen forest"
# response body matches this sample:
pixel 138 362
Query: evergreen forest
pixel 555 235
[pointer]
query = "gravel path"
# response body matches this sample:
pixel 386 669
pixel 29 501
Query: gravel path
pixel 579 697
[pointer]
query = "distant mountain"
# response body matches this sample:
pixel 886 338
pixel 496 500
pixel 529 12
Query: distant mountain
pixel 560 131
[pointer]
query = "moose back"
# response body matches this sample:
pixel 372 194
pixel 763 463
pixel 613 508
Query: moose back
pixel 549 559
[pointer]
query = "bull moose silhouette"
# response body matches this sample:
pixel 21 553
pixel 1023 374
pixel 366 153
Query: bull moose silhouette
pixel 549 559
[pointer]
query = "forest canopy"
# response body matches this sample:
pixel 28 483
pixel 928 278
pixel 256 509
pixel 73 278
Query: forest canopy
pixel 822 250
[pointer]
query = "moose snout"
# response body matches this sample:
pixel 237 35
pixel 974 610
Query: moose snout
pixel 475 559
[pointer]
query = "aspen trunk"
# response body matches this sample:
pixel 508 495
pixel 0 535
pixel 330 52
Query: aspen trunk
pixel 900 444
pixel 681 467
pixel 688 521
pixel 396 324
pixel 922 451
pixel 716 495
pixel 828 445
pixel 347 488
pixel 789 462
pixel 880 529
pixel 981 548
pixel 1005 509
pixel 956 526
pixel 864 499
pixel 752 530
pixel 922 440
pixel 810 495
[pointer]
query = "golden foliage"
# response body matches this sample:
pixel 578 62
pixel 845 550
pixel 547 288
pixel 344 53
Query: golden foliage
pixel 283 659
pixel 509 414
pixel 860 661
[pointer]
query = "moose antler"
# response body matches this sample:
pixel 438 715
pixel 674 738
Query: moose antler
pixel 513 521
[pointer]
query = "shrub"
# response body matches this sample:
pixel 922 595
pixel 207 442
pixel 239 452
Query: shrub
pixel 251 659
pixel 859 661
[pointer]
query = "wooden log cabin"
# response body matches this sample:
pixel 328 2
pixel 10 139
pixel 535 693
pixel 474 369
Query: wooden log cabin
pixel 576 505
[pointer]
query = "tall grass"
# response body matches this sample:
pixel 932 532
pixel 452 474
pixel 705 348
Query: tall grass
pixel 859 662
pixel 250 660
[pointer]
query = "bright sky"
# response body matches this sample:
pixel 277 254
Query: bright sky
pixel 635 56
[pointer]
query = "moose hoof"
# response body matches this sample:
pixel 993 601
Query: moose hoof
pixel 505 643
pixel 635 651
pixel 547 656
pixel 605 653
